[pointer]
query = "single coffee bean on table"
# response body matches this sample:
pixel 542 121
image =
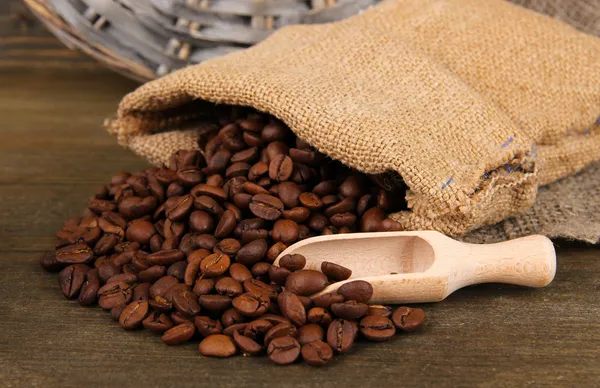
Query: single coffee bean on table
pixel 188 247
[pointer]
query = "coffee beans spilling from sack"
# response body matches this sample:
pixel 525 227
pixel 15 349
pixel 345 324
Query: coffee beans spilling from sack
pixel 186 250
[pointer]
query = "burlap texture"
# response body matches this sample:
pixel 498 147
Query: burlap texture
pixel 474 102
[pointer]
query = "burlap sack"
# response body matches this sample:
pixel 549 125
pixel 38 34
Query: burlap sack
pixel 474 102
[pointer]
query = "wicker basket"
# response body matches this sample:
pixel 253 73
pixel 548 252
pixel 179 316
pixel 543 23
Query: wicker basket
pixel 144 39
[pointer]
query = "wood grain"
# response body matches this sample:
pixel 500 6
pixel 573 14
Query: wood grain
pixel 54 153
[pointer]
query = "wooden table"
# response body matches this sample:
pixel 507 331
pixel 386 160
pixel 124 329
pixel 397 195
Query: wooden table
pixel 54 153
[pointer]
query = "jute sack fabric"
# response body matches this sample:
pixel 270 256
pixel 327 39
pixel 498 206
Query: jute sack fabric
pixel 475 103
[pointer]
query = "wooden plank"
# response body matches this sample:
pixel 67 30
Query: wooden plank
pixel 54 153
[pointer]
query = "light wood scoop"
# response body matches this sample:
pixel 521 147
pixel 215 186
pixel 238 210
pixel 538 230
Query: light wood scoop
pixel 427 266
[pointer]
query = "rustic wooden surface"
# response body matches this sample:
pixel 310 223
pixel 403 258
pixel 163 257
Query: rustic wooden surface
pixel 54 153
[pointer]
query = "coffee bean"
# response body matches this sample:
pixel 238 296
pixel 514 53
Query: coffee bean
pixel 254 234
pixel 74 254
pixel 351 187
pixel 281 168
pixel 371 220
pixel 107 270
pixel 306 282
pixel 71 279
pixel 232 317
pixel 238 327
pixel 278 275
pixel 343 219
pixel 349 310
pixel 257 287
pixel 215 302
pixel 310 333
pixel 283 350
pixel 177 270
pixel 217 345
pixel 335 272
pixel 377 328
pixel 175 289
pixel 179 334
pixel 133 315
pixel 115 312
pixel 251 304
pixel 311 201
pixel 266 206
pixel 275 319
pixel 239 272
pixel 162 285
pixel 358 290
pixel 215 265
pixel 252 252
pixel 207 326
pixel 245 344
pixel 257 170
pixel 389 225
pixel 292 308
pixel 226 224
pixel 229 246
pixel 160 304
pixel 185 301
pixel 317 353
pixel 89 289
pixel 293 262
pixel 203 286
pixel 114 294
pixel 379 310
pixel 157 322
pixel 320 316
pixel 100 206
pixel 119 178
pixel 141 291
pixel 201 222
pixel 123 277
pixel 285 231
pixel 228 286
pixel 49 263
pixel 179 318
pixel 206 241
pixel 340 335
pixel 280 330
pixel 275 148
pixel 275 251
pixel 408 319
pixel 137 207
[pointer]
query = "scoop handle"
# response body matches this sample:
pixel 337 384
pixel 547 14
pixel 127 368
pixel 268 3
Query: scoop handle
pixel 527 261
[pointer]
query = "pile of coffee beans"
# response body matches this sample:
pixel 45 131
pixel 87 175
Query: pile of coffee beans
pixel 186 250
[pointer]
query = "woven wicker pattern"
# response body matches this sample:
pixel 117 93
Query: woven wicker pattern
pixel 144 39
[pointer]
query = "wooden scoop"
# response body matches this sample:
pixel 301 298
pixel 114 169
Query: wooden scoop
pixel 427 266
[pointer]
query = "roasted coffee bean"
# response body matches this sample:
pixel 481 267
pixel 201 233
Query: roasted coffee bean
pixel 318 222
pixel 283 350
pixel 203 286
pixel 257 329
pixel 234 186
pixel 206 241
pixel 218 162
pixel 389 225
pixel 293 262
pixel 350 310
pixel 330 200
pixel 335 272
pixel 119 178
pixel 71 279
pixel 247 225
pixel 74 254
pixel 275 148
pixel 107 270
pixel 306 282
pixel 340 335
pixel 114 294
pixel 358 290
pixel 379 310
pixel 304 232
pixel 278 275
pixel 377 328
pixel 289 193
pixel 228 286
pixel 232 317
pixel 343 219
pixel 165 257
pixel 254 234
pixel 266 206
pixel 275 319
pixel 173 230
pixel 251 304
pixel 408 319
pixel 178 208
pixel 161 304
pixel 310 333
pixel 229 246
pixel 281 330
pixel 292 308
pixel 133 314
pixel 179 318
pixel 100 206
pixel 246 156
pixel 351 187
pixel 236 210
pixel 371 220
pixel 156 243
pixel 217 345
pixel 320 316
pixel 192 270
pixel 226 224
pixel 157 322
pixel 89 289
pixel 215 302
pixel 215 265
pixel 177 270
pixel 239 272
pixel 123 277
pixel 137 207
pixel 207 326
pixel 120 259
pixel 185 301
pixel 175 189
pixel 238 327
pixel 201 222
pixel 306 301
pixel 285 231
pixel 257 170
pixel 297 214
pixel 179 334
pixel 49 263
pixel 317 353
pixel 275 251
pixel 252 252
pixel 141 291
pixel 245 344
pixel 175 289
pixel 257 287
pixel 281 168
pixel 115 312
pixel 239 169
pixel 209 205
pixel 104 246
pixel 162 285
pixel 310 201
